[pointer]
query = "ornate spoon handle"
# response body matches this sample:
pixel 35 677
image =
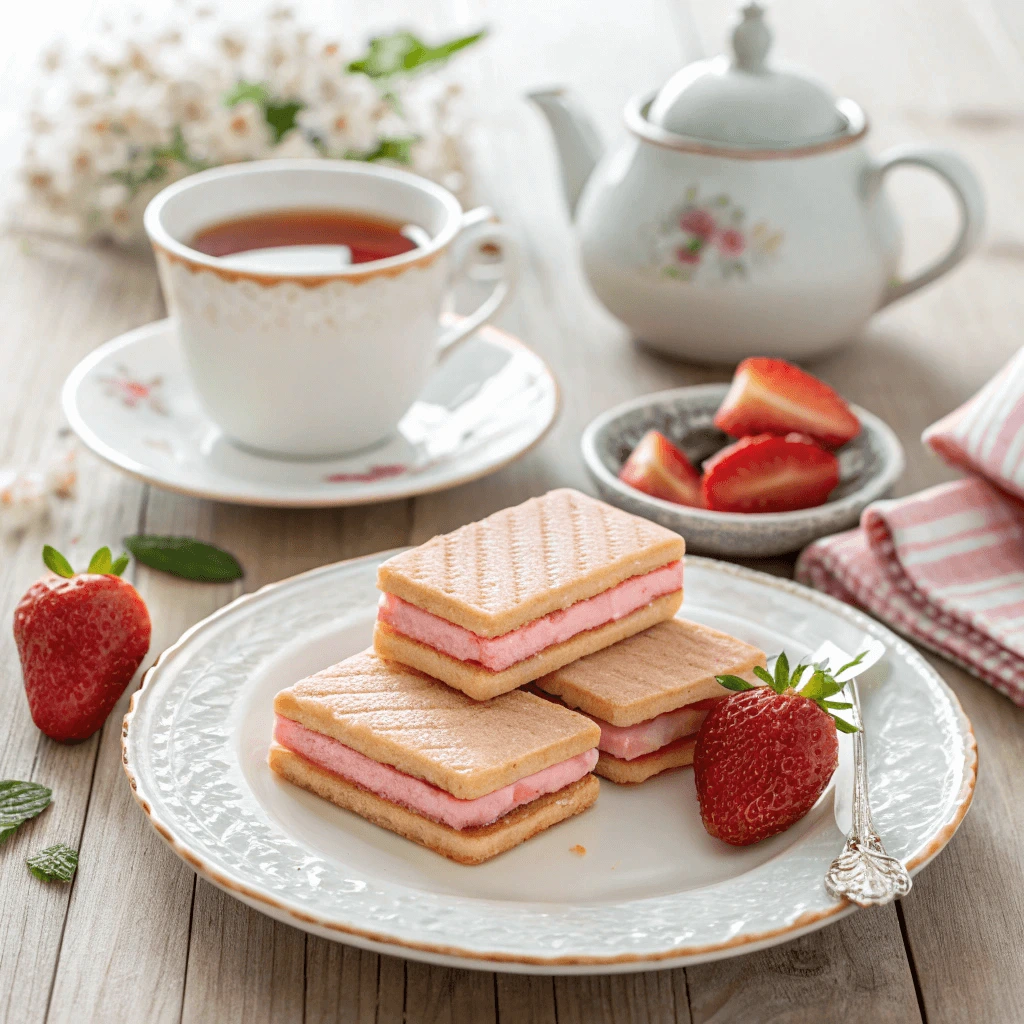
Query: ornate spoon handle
pixel 863 872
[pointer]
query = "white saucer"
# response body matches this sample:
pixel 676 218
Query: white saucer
pixel 131 402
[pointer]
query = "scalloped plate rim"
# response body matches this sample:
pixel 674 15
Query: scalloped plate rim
pixel 446 954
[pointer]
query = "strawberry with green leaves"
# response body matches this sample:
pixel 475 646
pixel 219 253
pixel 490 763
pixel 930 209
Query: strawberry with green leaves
pixel 81 637
pixel 765 754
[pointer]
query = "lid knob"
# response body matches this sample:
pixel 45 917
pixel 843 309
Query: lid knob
pixel 751 39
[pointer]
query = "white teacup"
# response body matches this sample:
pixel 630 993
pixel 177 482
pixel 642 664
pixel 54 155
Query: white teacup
pixel 314 364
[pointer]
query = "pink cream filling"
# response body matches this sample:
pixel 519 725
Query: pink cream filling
pixel 629 741
pixel 501 652
pixel 419 796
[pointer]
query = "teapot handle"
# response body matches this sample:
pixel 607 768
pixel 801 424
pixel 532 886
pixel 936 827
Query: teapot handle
pixel 965 187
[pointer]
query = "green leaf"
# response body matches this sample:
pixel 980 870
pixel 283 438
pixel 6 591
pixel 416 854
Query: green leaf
pixel 820 685
pixel 134 180
pixel 20 801
pixel 119 565
pixel 734 683
pixel 764 675
pixel 402 52
pixel 388 148
pixel 843 726
pixel 56 863
pixel 851 664
pixel 835 705
pixel 281 116
pixel 781 673
pixel 56 562
pixel 797 675
pixel 253 92
pixel 183 556
pixel 100 563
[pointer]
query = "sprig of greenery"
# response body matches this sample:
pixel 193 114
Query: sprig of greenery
pixel 820 686
pixel 404 53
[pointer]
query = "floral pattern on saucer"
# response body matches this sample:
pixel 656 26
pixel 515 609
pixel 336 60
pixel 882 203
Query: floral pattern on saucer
pixel 711 238
pixel 131 402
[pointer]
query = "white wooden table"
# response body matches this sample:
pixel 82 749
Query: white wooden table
pixel 137 937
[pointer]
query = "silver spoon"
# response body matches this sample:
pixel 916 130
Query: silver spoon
pixel 863 872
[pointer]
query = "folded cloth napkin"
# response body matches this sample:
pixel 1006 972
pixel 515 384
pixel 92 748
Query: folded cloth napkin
pixel 986 434
pixel 945 567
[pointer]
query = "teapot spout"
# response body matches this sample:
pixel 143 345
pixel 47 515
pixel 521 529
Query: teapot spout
pixel 579 145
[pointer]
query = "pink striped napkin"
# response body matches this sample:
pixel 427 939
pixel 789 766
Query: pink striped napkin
pixel 986 434
pixel 945 567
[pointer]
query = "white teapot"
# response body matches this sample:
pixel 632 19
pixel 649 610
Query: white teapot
pixel 745 215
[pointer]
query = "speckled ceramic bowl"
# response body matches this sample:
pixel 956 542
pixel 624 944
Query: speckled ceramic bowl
pixel 869 466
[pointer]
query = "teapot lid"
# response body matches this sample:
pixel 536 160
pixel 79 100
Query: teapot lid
pixel 744 101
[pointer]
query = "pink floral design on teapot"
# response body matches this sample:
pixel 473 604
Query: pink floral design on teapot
pixel 711 235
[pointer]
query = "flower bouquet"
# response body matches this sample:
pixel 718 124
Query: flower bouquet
pixel 115 124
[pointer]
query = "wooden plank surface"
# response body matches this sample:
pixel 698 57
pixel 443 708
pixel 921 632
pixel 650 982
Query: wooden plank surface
pixel 139 938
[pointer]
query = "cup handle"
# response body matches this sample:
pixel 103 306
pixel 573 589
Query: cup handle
pixel 479 228
pixel 965 187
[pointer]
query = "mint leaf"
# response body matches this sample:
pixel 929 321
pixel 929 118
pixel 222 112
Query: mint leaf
pixel 402 52
pixel 734 683
pixel 20 801
pixel 56 562
pixel 185 557
pixel 100 563
pixel 56 863
pixel 119 565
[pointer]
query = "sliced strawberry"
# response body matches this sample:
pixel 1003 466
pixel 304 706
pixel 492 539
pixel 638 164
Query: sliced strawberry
pixel 771 396
pixel 768 473
pixel 658 468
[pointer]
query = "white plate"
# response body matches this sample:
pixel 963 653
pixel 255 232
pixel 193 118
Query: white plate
pixel 652 890
pixel 131 402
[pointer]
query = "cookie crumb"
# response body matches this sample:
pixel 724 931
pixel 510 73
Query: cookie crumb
pixel 580 851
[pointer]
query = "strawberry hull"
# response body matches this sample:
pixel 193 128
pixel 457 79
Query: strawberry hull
pixel 80 641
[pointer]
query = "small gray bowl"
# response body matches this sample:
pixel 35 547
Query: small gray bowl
pixel 869 466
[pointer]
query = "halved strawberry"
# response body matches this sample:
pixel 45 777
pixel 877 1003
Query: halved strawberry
pixel 768 473
pixel 658 468
pixel 771 396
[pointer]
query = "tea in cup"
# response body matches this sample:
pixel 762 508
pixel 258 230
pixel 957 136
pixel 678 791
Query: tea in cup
pixel 307 295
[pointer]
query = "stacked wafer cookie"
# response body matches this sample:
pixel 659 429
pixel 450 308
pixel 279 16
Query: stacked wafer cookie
pixel 427 734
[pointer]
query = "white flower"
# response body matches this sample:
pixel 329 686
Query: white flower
pixel 143 105
pixel 294 145
pixel 230 134
pixel 351 122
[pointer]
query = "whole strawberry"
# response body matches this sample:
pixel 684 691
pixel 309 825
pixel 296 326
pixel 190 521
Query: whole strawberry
pixel 764 755
pixel 81 637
